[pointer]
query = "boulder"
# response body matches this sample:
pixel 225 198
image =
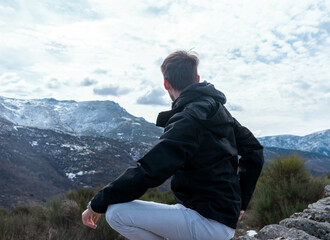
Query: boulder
pixel 275 231
pixel 327 191
pixel 317 229
pixel 311 224
pixel 319 215
pixel 245 238
pixel 322 204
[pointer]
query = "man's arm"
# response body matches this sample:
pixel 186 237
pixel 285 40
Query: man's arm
pixel 250 163
pixel 179 141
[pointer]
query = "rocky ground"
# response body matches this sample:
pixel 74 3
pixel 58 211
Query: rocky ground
pixel 312 223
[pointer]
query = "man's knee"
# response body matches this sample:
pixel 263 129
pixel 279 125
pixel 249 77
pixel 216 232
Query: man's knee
pixel 112 215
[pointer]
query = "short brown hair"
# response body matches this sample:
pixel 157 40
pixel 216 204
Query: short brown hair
pixel 180 69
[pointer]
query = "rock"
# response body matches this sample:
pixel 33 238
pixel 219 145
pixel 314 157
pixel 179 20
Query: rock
pixel 318 211
pixel 318 215
pixel 327 191
pixel 318 229
pixel 275 231
pixel 322 204
pixel 311 224
pixel 244 238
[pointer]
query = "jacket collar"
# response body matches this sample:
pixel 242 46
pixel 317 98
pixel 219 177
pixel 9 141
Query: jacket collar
pixel 189 94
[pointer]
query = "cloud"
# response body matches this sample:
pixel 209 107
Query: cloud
pixel 159 61
pixel 56 48
pixel 12 59
pixel 280 69
pixel 157 10
pixel 53 83
pixel 153 97
pixel 49 11
pixel 9 78
pixel 100 71
pixel 88 82
pixel 234 107
pixel 111 90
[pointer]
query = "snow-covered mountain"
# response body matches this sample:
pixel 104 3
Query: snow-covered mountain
pixel 318 142
pixel 60 145
pixel 90 118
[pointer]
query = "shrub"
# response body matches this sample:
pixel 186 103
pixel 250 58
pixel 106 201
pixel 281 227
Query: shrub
pixel 284 187
pixel 81 196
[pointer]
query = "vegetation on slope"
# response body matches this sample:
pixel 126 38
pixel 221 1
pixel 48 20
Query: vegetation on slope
pixel 284 187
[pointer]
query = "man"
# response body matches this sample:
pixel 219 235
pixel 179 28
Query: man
pixel 199 149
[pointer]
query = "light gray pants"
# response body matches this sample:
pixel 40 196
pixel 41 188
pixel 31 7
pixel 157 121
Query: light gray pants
pixel 141 220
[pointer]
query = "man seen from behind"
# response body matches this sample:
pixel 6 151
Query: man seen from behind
pixel 214 163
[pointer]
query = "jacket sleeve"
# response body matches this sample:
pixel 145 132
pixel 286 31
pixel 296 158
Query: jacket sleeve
pixel 251 161
pixel 179 141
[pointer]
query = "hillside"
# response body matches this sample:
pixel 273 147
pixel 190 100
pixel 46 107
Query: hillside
pixel 317 164
pixel 49 146
pixel 36 164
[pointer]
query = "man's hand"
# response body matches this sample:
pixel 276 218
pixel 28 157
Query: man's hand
pixel 241 215
pixel 89 218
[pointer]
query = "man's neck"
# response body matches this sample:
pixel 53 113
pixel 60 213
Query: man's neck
pixel 174 94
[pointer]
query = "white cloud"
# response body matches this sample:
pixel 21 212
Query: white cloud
pixel 53 83
pixel 269 57
pixel 153 97
pixel 88 82
pixel 111 90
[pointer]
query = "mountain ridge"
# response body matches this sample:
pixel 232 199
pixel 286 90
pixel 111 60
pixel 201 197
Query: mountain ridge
pixel 55 157
pixel 93 118
pixel 317 142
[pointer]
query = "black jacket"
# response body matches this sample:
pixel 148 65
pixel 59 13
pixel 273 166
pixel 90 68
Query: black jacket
pixel 199 148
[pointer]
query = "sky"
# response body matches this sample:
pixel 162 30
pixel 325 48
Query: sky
pixel 269 57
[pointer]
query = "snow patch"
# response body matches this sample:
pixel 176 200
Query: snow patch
pixel 126 118
pixel 57 107
pixel 71 176
pixel 80 173
pixel 251 233
pixel 73 147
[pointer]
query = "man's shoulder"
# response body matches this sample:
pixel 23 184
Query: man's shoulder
pixel 201 109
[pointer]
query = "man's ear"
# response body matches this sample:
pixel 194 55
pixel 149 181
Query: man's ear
pixel 198 78
pixel 167 85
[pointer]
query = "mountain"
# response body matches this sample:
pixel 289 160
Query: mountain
pixel 36 164
pixel 48 147
pixel 316 164
pixel 91 118
pixel 318 142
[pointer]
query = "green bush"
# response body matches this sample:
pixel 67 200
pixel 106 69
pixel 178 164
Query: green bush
pixel 284 187
pixel 60 218
pixel 81 196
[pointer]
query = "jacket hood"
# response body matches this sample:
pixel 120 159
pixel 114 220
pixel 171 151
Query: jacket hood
pixel 197 90
pixel 190 94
